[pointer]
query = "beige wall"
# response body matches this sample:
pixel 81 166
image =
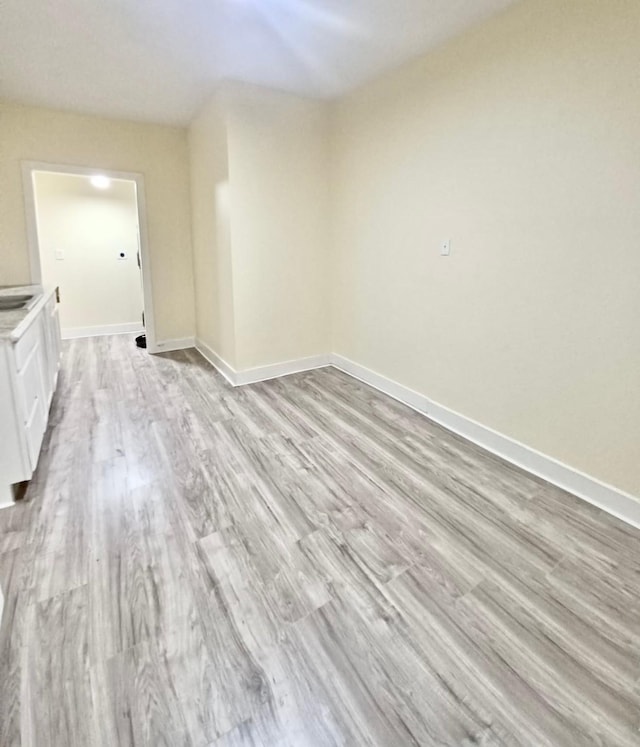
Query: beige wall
pixel 519 142
pixel 158 152
pixel 278 158
pixel 259 162
pixel 91 227
pixel 211 231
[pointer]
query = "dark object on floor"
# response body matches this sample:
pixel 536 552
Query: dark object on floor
pixel 141 341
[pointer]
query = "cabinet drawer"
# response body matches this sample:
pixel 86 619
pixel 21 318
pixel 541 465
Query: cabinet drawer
pixel 26 343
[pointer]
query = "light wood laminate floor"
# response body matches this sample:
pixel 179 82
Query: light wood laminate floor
pixel 300 562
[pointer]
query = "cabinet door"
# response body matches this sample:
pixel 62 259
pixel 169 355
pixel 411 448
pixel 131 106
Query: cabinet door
pixel 34 410
pixel 54 328
pixel 52 339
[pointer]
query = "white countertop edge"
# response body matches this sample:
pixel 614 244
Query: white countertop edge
pixel 33 312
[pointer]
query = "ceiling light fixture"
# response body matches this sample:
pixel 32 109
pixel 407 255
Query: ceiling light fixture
pixel 100 182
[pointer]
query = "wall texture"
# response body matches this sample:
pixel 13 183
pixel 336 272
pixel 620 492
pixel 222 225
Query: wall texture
pixel 278 169
pixel 158 152
pixel 215 315
pixel 519 142
pixel 259 165
pixel 90 227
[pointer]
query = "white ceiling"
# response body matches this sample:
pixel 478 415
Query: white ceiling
pixel 158 60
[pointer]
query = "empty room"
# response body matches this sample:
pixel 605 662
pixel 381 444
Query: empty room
pixel 319 373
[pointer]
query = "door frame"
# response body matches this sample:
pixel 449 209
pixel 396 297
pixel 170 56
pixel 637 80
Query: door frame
pixel 28 168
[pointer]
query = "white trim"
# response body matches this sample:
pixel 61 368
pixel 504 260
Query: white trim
pixel 616 502
pixel 28 167
pixel 276 370
pixel 261 373
pixel 217 362
pixel 71 333
pixel 167 346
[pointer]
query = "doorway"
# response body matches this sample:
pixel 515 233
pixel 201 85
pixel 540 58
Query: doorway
pixel 87 236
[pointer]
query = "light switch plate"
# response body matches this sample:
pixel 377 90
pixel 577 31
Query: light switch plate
pixel 445 248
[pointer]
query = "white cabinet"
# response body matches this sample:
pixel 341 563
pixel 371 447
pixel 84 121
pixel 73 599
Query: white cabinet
pixel 51 322
pixel 33 408
pixel 29 363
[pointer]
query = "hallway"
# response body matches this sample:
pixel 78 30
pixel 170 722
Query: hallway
pixel 299 562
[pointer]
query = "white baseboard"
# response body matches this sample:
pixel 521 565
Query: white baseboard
pixel 261 373
pixel 612 500
pixel 168 346
pixel 276 370
pixel 616 502
pixel 72 333
pixel 217 362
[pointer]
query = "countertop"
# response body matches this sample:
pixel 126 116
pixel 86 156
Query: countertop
pixel 14 322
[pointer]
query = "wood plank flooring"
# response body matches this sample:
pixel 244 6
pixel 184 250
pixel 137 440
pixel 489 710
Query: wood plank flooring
pixel 302 562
